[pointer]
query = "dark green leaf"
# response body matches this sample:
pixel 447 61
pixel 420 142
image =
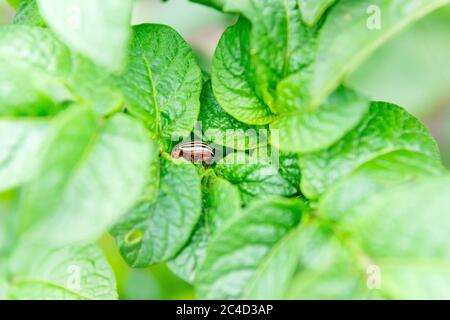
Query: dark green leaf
pixel 161 225
pixel 257 177
pixel 233 77
pixel 163 82
pixel 222 129
pixel 221 202
pixel 280 43
pixel 28 13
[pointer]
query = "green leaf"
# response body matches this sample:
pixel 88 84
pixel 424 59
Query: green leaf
pixel 161 225
pixel 280 43
pixel 384 129
pixel 36 50
pixel 390 74
pixel 163 82
pixel 38 96
pixel 20 145
pixel 308 131
pixel 221 202
pixel 220 128
pixel 233 77
pixel 98 29
pixel 406 237
pixel 376 176
pixel 327 268
pixel 92 172
pixel 339 52
pixel 312 10
pixel 66 273
pixel 3 281
pixel 255 255
pixel 257 177
pixel 28 13
pixel 218 4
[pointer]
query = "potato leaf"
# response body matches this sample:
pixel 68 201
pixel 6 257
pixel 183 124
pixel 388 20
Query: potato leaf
pixel 367 25
pixel 256 178
pixel 98 29
pixel 221 128
pixel 162 83
pixel 20 145
pixel 221 203
pixel 27 13
pixel 312 10
pixel 162 223
pixel 406 238
pixel 37 50
pixel 306 131
pixel 253 252
pixel 66 273
pixel 385 128
pixel 91 173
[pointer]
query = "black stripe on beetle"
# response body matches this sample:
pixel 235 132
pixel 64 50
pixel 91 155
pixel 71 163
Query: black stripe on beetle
pixel 194 151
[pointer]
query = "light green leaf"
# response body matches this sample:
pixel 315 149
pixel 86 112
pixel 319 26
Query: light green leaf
pixel 221 202
pixel 28 13
pixel 163 82
pixel 312 10
pixel 376 176
pixel 384 129
pixel 220 128
pixel 327 268
pixel 161 225
pixel 255 255
pixel 20 144
pixel 404 232
pixel 38 96
pixel 92 172
pixel 36 50
pixel 3 281
pixel 391 73
pixel 308 131
pixel 98 29
pixel 66 273
pixel 233 77
pixel 367 25
pixel 257 177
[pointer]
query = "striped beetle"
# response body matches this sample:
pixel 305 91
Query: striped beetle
pixel 194 151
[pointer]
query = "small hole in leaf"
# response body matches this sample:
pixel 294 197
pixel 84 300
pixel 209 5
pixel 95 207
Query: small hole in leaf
pixel 133 237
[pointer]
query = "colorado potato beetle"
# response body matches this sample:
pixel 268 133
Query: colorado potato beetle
pixel 194 151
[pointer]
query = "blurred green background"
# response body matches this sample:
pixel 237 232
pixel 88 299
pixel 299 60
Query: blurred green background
pixel 411 70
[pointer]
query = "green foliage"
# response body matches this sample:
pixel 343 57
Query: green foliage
pixel 321 193
pixel 98 29
pixel 158 228
pixel 253 252
pixel 162 83
pixel 42 272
